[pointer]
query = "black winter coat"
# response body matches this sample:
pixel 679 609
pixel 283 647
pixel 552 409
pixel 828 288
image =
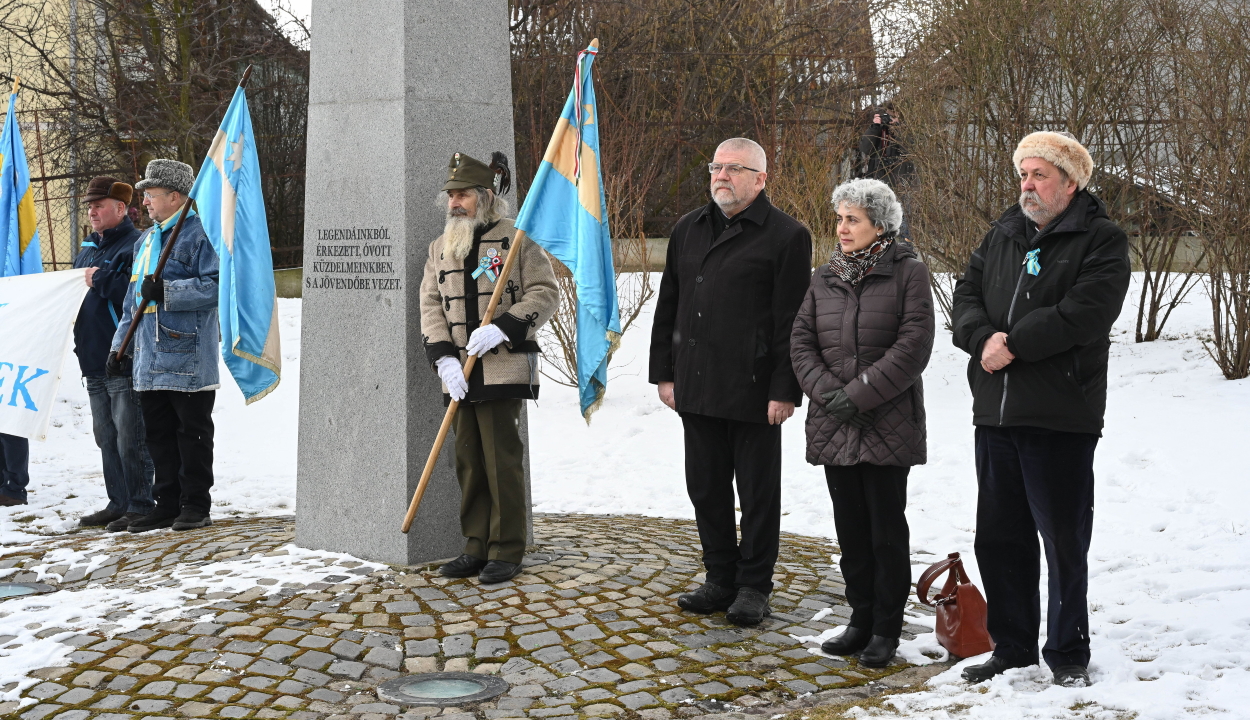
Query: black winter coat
pixel 726 305
pixel 1057 322
pixel 113 253
pixel 874 340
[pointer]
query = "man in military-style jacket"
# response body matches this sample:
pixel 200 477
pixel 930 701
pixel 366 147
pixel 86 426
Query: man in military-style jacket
pixel 463 268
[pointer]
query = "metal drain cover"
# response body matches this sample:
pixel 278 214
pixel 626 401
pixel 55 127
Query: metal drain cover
pixel 445 689
pixel 12 590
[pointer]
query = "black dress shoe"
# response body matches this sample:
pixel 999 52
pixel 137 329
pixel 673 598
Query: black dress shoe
pixel 464 566
pixel 497 571
pixel 749 608
pixel 1073 676
pixel 851 641
pixel 123 522
pixel 709 598
pixel 98 518
pixel 879 653
pixel 192 520
pixel 156 521
pixel 986 670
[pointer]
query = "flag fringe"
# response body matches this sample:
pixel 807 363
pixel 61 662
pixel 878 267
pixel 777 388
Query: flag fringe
pixel 277 371
pixel 263 393
pixel 614 343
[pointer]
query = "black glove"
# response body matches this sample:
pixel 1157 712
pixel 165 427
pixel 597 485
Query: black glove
pixel 864 420
pixel 154 290
pixel 839 405
pixel 118 368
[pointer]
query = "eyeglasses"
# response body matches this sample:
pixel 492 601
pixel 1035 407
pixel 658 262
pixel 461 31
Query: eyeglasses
pixel 149 196
pixel 734 169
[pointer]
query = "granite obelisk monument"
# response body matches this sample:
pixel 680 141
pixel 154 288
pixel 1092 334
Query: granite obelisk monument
pixel 395 88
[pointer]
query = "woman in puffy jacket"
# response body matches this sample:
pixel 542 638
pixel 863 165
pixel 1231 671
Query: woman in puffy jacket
pixel 860 342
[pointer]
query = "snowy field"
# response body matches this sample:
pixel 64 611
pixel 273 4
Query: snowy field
pixel 1169 566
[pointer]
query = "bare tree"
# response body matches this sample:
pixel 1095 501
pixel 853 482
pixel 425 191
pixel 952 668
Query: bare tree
pixel 124 81
pixel 674 78
pixel 1211 142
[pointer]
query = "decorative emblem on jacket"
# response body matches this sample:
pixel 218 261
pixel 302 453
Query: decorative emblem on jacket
pixel 490 265
pixel 1031 263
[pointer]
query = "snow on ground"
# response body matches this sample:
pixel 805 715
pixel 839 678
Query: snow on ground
pixel 1169 566
pixel 254 461
pixel 163 597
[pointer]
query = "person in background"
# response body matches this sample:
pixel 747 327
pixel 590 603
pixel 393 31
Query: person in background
pixel 1034 311
pixel 861 340
pixel 14 472
pixel 116 418
pixel 175 351
pixel 720 354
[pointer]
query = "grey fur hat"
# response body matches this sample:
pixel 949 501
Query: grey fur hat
pixel 168 174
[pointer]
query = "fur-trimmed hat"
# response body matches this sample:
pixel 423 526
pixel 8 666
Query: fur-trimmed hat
pixel 104 187
pixel 168 174
pixel 1060 149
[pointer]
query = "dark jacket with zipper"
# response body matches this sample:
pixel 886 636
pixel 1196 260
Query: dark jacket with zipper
pixel 1057 322
pixel 727 301
pixel 112 253
pixel 874 340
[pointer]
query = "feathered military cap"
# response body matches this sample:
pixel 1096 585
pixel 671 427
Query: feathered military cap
pixel 465 172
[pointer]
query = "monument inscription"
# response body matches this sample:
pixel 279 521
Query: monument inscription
pixel 380 117
pixel 340 264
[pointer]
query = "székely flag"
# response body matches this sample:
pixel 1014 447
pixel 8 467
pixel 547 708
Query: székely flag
pixel 566 213
pixel 19 237
pixel 232 211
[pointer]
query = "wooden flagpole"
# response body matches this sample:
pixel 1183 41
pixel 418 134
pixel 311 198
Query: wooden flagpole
pixel 468 368
pixel 165 251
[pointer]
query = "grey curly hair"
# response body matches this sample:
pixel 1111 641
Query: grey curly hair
pixel 873 197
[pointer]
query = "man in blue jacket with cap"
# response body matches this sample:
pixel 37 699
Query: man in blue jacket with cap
pixel 107 254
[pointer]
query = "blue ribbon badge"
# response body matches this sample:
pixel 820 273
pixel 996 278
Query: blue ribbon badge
pixel 489 265
pixel 1032 266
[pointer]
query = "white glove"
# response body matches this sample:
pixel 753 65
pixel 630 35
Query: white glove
pixel 453 377
pixel 484 339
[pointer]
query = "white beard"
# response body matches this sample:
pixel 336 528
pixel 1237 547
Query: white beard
pixel 458 235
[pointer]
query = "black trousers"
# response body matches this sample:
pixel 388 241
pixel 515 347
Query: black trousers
pixel 868 512
pixel 180 440
pixel 718 451
pixel 1033 480
pixel 14 466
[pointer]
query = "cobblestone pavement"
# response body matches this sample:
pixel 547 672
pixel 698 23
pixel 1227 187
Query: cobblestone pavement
pixel 591 628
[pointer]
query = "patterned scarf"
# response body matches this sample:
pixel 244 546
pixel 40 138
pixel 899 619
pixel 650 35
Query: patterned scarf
pixel 853 267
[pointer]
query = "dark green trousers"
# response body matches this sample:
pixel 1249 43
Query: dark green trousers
pixel 489 467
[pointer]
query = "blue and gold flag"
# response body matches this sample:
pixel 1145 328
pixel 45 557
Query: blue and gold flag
pixel 232 211
pixel 19 236
pixel 565 212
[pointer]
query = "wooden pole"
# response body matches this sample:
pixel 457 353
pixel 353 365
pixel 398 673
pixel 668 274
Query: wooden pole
pixel 468 368
pixel 160 268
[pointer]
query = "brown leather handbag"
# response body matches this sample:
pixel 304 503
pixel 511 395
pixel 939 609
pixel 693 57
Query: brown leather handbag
pixel 960 609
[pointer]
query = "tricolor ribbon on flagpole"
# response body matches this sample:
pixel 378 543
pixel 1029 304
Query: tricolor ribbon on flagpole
pixel 577 109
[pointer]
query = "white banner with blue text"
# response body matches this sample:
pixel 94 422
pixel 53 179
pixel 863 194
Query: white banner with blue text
pixel 37 314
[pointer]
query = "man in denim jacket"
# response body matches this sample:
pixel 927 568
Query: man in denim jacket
pixel 174 352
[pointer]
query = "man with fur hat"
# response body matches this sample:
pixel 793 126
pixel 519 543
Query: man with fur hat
pixel 175 350
pixel 462 271
pixel 1034 310
pixel 107 254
